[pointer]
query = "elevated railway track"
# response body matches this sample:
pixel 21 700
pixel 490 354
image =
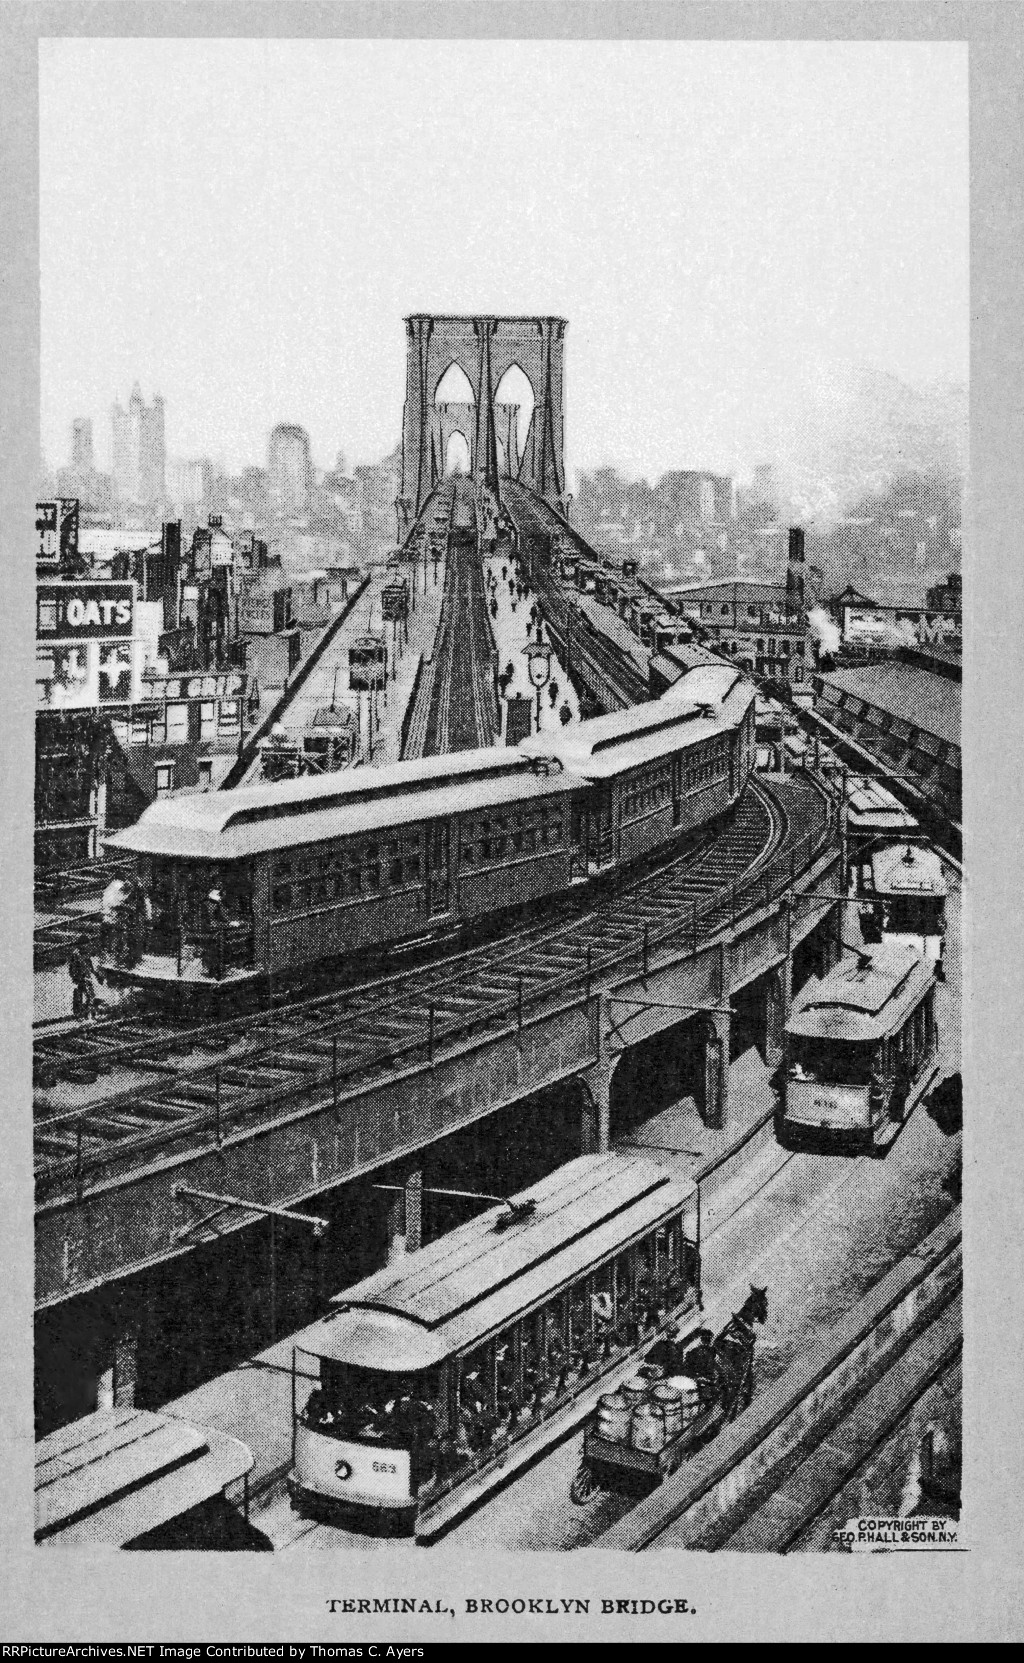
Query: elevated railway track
pixel 456 708
pixel 338 1038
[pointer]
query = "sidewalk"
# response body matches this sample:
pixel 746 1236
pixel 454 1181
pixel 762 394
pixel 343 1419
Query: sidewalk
pixel 512 631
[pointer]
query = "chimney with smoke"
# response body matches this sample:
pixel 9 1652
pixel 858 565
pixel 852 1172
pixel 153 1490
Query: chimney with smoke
pixel 795 570
pixel 825 631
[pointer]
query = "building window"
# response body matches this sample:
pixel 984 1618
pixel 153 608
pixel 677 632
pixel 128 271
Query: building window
pixel 139 733
pixel 228 720
pixel 158 728
pixel 204 769
pixel 760 645
pixel 207 719
pixel 725 612
pixel 164 778
pixel 177 724
pixel 47 618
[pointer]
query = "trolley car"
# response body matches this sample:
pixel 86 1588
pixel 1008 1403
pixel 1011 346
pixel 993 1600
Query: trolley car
pixel 262 881
pixel 903 894
pixel 860 1051
pixel 439 1376
pixel 127 1478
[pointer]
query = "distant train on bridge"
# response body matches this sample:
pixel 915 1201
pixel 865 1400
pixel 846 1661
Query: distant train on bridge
pixel 244 886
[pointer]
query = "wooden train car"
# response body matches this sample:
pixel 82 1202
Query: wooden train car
pixel 126 1478
pixel 255 883
pixel 437 1377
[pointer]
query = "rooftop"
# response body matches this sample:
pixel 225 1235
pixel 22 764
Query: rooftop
pixel 907 691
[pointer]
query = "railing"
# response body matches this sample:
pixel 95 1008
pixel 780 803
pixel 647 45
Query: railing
pixel 229 947
pixel 686 936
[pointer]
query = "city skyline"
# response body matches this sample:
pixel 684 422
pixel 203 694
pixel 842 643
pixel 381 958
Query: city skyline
pixel 802 193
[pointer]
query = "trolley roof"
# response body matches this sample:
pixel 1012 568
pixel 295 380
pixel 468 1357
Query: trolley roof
pixel 478 1279
pixel 865 997
pixel 117 1473
pixel 230 825
pixel 905 869
pixel 872 806
pixel 703 703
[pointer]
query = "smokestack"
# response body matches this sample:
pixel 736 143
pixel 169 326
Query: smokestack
pixel 795 570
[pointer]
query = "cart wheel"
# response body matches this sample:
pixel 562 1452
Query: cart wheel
pixel 584 1485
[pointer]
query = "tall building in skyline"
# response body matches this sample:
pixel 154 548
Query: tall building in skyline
pixel 139 454
pixel 189 483
pixel 289 470
pixel 81 444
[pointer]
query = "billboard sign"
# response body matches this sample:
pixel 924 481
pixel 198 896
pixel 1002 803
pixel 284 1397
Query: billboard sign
pixel 885 626
pixel 84 611
pixel 56 531
pixel 47 544
pixel 82 675
pixel 230 684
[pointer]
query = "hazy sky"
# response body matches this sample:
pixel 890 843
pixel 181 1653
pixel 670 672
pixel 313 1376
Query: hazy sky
pixel 242 226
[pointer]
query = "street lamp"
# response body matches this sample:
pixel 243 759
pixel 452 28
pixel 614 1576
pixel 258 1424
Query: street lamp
pixel 539 655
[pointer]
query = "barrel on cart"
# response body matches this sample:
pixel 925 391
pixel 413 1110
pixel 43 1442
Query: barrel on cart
pixel 657 1420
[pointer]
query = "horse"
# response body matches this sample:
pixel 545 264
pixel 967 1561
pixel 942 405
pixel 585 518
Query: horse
pixel 733 1353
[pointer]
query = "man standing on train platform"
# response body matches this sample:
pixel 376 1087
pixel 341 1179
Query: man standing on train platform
pixel 81 970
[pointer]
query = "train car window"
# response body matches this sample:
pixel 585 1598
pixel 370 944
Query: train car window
pixel 507 1385
pixel 581 1320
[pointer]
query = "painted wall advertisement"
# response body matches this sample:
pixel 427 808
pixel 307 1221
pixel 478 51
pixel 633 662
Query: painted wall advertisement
pixel 85 652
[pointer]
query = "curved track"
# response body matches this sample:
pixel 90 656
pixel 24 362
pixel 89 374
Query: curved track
pixel 361 1031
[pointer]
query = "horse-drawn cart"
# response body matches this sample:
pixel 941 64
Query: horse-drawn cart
pixel 654 1423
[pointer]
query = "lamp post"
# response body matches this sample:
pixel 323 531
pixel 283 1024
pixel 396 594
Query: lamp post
pixel 538 654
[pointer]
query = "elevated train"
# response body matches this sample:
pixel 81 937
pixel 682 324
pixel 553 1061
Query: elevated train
pixel 246 885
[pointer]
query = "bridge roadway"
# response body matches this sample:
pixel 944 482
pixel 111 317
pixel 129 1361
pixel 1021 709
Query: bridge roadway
pixel 343 1084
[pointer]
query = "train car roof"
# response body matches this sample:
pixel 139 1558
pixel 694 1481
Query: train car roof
pixel 479 1278
pixel 116 1474
pixel 231 825
pixel 870 804
pixel 864 997
pixel 704 702
pixel 905 869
